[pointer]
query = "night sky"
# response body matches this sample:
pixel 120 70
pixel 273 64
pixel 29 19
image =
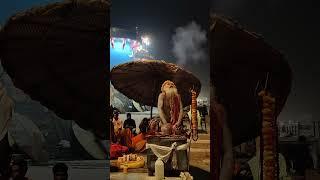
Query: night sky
pixel 160 19
pixel 293 28
pixel 9 8
pixel 289 26
pixel 157 18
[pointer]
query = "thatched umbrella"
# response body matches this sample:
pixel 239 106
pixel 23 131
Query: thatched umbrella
pixel 241 63
pixel 141 80
pixel 57 54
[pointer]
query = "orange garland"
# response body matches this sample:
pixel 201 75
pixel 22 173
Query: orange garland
pixel 269 137
pixel 194 113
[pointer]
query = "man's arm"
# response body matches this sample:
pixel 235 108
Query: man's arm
pixel 160 109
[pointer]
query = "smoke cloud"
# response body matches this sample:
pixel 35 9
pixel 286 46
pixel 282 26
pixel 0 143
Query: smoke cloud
pixel 189 44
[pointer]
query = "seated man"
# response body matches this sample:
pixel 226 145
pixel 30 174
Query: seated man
pixel 130 123
pixel 170 109
pixel 117 125
pixel 138 141
pixel 116 150
pixel 18 168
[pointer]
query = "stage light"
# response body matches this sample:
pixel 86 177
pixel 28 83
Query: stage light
pixel 120 51
pixel 145 40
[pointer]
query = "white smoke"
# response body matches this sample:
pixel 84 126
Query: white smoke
pixel 189 44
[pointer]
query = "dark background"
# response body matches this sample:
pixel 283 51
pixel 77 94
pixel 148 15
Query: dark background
pixel 160 19
pixel 290 26
pixel 157 18
pixel 293 28
pixel 8 8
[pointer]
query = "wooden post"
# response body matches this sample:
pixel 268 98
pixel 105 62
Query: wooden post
pixel 153 95
pixel 215 140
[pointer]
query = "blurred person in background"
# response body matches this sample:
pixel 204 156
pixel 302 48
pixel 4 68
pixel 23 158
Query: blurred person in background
pixel 130 124
pixel 60 171
pixel 117 125
pixel 18 169
pixel 303 159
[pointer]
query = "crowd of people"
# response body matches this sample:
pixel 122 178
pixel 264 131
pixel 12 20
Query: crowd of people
pixel 18 169
pixel 125 137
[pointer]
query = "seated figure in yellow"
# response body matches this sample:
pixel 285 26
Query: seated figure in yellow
pixel 117 123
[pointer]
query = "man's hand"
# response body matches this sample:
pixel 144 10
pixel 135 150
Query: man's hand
pixel 176 125
pixel 166 129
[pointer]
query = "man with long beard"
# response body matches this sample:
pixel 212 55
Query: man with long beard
pixel 170 109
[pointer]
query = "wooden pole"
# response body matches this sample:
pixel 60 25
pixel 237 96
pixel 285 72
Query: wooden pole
pixel 153 95
pixel 216 140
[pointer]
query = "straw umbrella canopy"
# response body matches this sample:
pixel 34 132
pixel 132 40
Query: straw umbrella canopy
pixel 242 63
pixel 141 80
pixel 57 55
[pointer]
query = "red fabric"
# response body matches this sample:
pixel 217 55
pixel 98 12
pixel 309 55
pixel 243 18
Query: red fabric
pixel 117 150
pixel 175 110
pixel 137 138
pixel 139 142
